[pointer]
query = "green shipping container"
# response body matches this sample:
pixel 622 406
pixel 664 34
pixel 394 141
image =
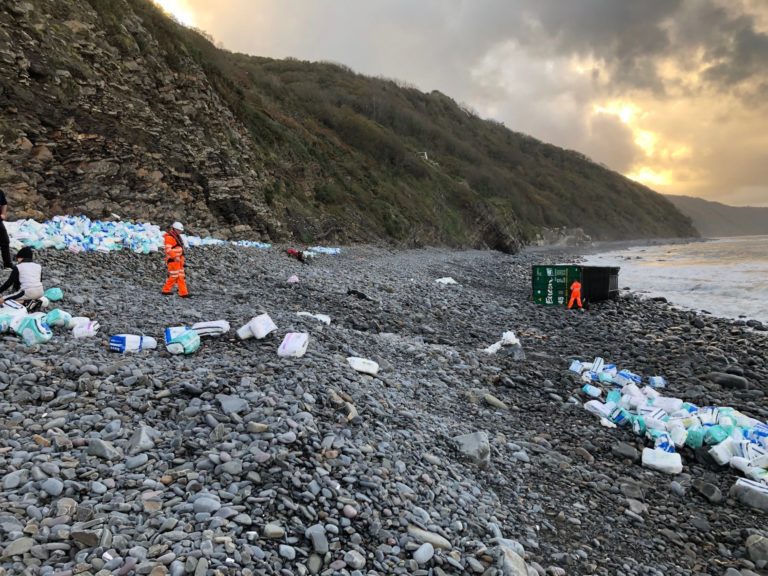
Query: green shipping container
pixel 551 283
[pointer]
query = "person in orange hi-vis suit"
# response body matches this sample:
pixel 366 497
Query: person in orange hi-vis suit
pixel 575 294
pixel 174 258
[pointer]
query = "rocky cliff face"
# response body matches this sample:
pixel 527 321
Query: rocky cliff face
pixel 91 127
pixel 109 107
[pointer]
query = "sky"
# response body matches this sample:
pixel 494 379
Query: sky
pixel 671 93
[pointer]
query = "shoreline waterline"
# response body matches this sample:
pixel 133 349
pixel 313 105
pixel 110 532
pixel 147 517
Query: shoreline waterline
pixel 724 277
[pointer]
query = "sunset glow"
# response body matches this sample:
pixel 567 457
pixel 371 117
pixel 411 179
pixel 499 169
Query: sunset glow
pixel 179 10
pixel 651 177
pixel 626 112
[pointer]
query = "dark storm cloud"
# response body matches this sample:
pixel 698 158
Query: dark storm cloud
pixel 628 36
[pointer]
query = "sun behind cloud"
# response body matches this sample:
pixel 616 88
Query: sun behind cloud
pixel 179 9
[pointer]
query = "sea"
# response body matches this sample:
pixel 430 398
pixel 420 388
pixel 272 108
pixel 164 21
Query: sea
pixel 727 277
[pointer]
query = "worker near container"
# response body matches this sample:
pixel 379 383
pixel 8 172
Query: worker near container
pixel 5 241
pixel 575 294
pixel 26 281
pixel 174 259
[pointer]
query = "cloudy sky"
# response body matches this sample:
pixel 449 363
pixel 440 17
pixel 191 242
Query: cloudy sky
pixel 672 93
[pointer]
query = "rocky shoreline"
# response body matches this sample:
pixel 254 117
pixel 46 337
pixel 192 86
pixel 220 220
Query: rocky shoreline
pixel 234 461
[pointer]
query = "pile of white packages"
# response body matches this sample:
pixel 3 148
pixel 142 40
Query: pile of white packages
pixel 81 234
pixel 732 438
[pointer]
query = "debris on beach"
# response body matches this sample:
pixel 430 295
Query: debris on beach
pixel 324 318
pixel 447 281
pixel 81 234
pixel 510 343
pixel 181 340
pixel 294 345
pixel 257 327
pixel 729 436
pixel 363 365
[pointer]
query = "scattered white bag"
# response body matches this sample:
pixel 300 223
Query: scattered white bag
pixel 363 365
pixel 507 339
pixel 76 320
pixel 261 326
pixel 293 279
pixel 294 345
pixel 320 317
pixel 446 281
pixel 658 459
pixel 86 329
pixel 258 326
pixel 212 329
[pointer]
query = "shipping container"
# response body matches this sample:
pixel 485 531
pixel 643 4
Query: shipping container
pixel 551 284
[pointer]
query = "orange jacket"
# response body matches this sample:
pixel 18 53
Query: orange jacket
pixel 174 248
pixel 576 287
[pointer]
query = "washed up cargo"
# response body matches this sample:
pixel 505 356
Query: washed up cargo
pixel 551 285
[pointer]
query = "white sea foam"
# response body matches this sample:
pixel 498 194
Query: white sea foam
pixel 727 276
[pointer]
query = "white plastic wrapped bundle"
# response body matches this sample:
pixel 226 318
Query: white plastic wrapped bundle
pixel 181 340
pixel 60 318
pixel 294 345
pixel 32 328
pixel 669 405
pixel 363 365
pixel 211 329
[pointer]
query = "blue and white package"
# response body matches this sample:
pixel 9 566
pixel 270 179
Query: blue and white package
pixel 631 376
pixel 657 382
pixel 123 343
pixel 610 369
pixel 576 367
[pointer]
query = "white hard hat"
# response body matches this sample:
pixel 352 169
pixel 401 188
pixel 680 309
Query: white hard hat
pixel 178 226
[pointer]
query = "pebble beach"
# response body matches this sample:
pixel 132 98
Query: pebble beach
pixel 234 461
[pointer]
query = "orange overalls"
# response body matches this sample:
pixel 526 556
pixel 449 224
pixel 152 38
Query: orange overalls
pixel 575 294
pixel 174 258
